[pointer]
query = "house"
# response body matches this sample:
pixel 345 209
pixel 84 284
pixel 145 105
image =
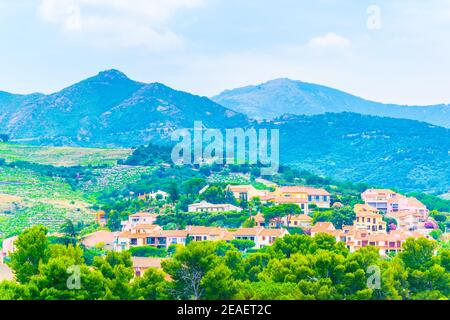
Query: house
pixel 259 235
pixel 388 243
pixel 141 264
pixel 368 219
pixel 297 221
pixel 140 218
pixel 158 195
pixel 378 198
pixel 175 237
pixel 8 247
pixel 317 196
pixel 268 236
pixel 209 207
pixel 323 227
pixel 302 196
pixel 102 237
pixel 356 238
pixel 135 237
pixel 301 202
pixel 246 192
pixel 407 220
pixel 201 233
pixel 412 205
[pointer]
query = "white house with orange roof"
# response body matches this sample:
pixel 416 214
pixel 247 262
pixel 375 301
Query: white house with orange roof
pixel 259 235
pixel 137 219
pixel 246 192
pixel 378 198
pixel 134 237
pixel 407 204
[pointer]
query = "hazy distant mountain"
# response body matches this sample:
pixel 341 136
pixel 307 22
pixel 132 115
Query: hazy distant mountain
pixel 277 97
pixel 108 110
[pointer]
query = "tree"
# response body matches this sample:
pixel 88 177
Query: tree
pixel 190 266
pixel 116 267
pixel 31 249
pixel 193 186
pixel 279 211
pixel 70 232
pixel 174 192
pixel 436 234
pixel 4 137
pixel 214 194
pixel 242 245
pixel 418 253
pixel 151 286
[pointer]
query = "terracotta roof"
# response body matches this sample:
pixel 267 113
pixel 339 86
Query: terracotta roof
pixel 248 231
pixel 240 188
pixel 204 230
pixel 365 210
pixel 145 263
pixel 175 233
pixel 301 217
pixel 322 227
pixel 102 236
pixel 272 232
pixel 307 190
pixel 258 218
pixel 283 200
pixel 379 191
pixel 144 214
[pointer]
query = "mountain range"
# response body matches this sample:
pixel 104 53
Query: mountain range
pixel 111 110
pixel 108 110
pixel 284 96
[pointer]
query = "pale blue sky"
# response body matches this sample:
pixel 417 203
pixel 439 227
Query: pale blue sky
pixel 206 46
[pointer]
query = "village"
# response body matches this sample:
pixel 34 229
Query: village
pixel 369 227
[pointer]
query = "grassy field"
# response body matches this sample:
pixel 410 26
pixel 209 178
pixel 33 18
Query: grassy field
pixel 27 199
pixel 62 156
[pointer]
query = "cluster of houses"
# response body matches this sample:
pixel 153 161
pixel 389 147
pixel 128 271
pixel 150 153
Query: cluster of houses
pixel 140 230
pixel 368 229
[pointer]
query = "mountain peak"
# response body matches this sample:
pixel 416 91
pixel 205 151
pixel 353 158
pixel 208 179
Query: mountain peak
pixel 112 74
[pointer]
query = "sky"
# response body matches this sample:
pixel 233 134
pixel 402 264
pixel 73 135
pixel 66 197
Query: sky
pixel 392 51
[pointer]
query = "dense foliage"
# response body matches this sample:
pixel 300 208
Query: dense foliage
pixel 296 267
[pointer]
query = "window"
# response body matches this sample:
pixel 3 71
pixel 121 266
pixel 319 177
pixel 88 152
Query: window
pixel 133 242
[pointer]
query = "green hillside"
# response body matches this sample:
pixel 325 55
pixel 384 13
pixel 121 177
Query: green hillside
pixel 62 156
